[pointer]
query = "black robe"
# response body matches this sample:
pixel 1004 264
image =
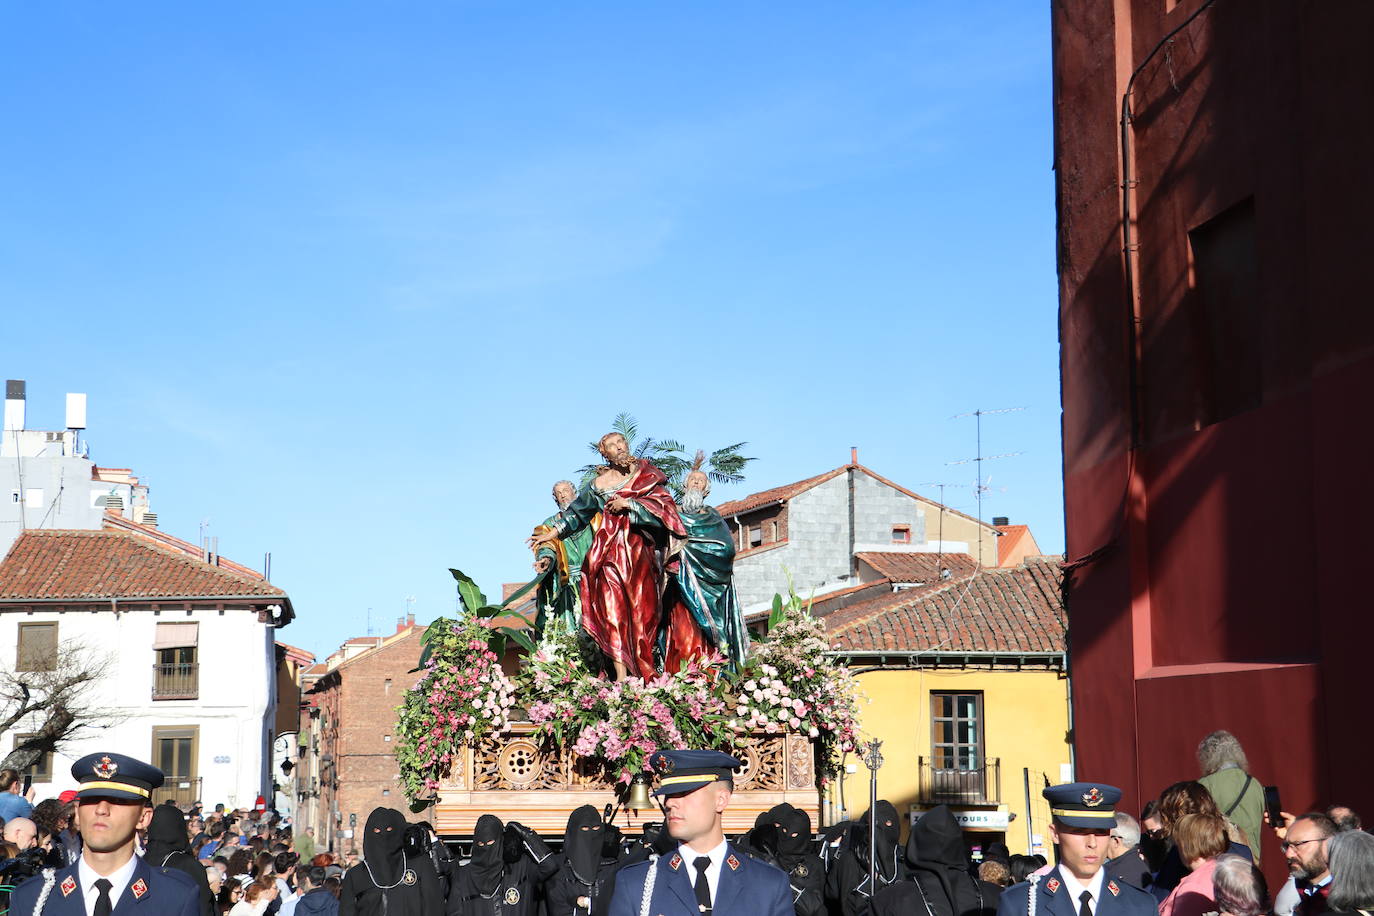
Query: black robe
pixel 422 840
pixel 847 890
pixel 584 881
pixel 940 883
pixel 168 847
pixel 805 870
pixel 506 874
pixel 388 882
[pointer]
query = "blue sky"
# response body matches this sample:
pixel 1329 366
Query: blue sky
pixel 357 282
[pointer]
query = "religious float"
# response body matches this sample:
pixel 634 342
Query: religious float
pixel 637 643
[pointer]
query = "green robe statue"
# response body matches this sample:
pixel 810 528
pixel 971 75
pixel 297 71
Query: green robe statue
pixel 560 594
pixel 702 567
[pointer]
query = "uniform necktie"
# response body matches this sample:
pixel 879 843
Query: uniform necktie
pixel 103 906
pixel 1083 908
pixel 702 886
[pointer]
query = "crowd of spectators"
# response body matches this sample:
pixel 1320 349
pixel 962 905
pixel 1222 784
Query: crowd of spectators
pixel 248 863
pixel 1196 848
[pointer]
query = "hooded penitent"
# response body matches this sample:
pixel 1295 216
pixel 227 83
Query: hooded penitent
pixel 794 838
pixel 386 881
pixel 487 864
pixel 382 841
pixel 582 843
pixel 939 861
pixel 169 848
pixel 166 834
pixel 885 845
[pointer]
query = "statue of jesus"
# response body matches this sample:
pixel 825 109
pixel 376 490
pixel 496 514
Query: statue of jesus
pixel 621 575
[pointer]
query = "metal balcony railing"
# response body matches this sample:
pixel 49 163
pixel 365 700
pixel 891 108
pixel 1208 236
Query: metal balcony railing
pixel 176 682
pixel 941 784
pixel 183 790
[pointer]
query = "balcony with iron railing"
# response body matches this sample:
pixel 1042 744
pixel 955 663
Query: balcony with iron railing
pixel 940 784
pixel 176 681
pixel 181 790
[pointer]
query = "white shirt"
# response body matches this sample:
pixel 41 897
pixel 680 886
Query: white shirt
pixel 1076 887
pixel 689 857
pixel 87 877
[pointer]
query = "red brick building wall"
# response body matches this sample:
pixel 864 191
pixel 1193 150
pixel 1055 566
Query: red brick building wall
pixel 362 694
pixel 1215 386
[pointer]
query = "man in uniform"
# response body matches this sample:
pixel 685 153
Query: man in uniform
pixel 112 804
pixel 705 875
pixel 1083 816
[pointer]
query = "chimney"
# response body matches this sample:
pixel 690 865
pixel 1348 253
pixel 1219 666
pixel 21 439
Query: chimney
pixel 853 454
pixel 410 620
pixel 14 404
pixel 400 624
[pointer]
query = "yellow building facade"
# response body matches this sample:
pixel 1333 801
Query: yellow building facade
pixel 966 687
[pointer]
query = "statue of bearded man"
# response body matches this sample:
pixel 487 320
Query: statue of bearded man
pixel 702 591
pixel 621 575
pixel 560 562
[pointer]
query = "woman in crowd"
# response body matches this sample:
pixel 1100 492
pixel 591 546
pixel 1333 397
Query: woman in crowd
pixel 1238 887
pixel 1199 839
pixel 1180 799
pixel 1350 858
pixel 256 897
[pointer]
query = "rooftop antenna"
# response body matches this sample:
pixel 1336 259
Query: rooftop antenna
pixel 980 485
pixel 410 608
pixel 369 621
pixel 940 537
pixel 204 523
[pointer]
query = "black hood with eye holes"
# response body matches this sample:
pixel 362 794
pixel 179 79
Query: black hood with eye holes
pixel 582 842
pixel 794 837
pixel 487 864
pixel 383 838
pixel 887 834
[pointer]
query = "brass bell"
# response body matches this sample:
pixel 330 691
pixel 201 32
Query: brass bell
pixel 639 793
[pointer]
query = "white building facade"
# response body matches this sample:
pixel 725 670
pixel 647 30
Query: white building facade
pixel 187 647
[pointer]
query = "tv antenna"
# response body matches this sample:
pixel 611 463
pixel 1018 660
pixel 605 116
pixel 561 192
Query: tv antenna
pixel 980 485
pixel 940 536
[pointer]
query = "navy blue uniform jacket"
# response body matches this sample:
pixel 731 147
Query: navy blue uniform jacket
pixel 747 887
pixel 1052 898
pixel 169 893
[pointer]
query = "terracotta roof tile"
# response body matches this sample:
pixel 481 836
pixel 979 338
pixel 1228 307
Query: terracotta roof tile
pixel 86 565
pixel 907 567
pixel 763 498
pixel 1020 609
pixel 116 522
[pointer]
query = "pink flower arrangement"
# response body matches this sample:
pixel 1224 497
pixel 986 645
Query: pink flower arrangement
pixel 788 684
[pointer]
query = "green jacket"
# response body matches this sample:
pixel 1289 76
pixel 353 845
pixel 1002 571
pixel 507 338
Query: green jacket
pixel 1225 785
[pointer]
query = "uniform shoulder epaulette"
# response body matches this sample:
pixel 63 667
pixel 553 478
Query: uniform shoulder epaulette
pixel 1128 889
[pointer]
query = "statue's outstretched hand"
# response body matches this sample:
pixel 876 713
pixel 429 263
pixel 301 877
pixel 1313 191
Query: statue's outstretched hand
pixel 539 538
pixel 618 505
pixel 542 564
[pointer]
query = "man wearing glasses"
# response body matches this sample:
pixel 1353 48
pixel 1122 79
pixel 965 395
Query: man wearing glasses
pixel 1304 847
pixel 1123 850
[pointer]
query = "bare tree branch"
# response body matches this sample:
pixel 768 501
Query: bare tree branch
pixel 55 705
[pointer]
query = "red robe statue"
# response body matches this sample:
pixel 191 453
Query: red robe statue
pixel 621 577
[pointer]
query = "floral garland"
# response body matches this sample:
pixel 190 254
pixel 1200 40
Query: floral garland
pixel 462 698
pixel 788 684
pixel 620 723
